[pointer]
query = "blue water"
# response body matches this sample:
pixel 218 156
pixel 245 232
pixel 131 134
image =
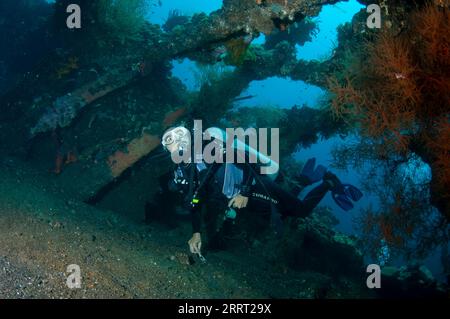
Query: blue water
pixel 282 92
pixel 328 20
pixel 322 152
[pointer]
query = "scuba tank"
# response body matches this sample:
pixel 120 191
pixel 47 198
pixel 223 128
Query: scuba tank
pixel 240 146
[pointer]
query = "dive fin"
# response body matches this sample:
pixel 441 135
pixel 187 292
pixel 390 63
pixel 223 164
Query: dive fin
pixel 310 174
pixel 319 173
pixel 343 201
pixel 343 194
pixel 309 166
pixel 353 192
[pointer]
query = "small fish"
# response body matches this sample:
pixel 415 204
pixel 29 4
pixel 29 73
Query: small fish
pixel 244 98
pixel 219 52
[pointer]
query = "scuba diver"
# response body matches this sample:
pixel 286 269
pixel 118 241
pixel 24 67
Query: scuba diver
pixel 225 187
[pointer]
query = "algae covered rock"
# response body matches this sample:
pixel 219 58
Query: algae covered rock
pixel 411 281
pixel 312 244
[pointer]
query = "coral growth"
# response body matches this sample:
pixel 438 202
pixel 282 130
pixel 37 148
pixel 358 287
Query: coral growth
pixel 440 147
pixel 62 112
pixel 123 18
pixel 298 33
pixel 172 117
pixel 175 18
pixel 67 68
pixel 237 49
pixel 66 108
pixel 136 149
pixel 405 221
pixel 400 97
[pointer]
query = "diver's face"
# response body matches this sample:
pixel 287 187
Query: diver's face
pixel 176 140
pixel 172 148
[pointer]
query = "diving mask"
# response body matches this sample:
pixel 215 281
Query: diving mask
pixel 176 139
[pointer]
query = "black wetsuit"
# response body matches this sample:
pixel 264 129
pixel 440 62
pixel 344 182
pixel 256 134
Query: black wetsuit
pixel 203 189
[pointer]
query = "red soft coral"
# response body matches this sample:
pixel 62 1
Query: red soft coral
pixel 401 95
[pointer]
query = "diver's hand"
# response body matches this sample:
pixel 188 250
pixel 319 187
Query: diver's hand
pixel 238 201
pixel 195 243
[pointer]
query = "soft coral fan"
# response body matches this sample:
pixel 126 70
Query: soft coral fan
pixel 400 97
